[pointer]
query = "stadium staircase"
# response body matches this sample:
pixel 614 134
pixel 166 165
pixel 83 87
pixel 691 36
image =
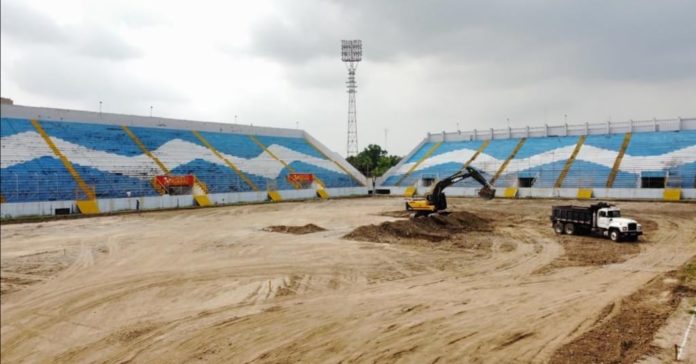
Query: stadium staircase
pixel 617 162
pixel 507 161
pixel 569 162
pixel 227 161
pixel 425 156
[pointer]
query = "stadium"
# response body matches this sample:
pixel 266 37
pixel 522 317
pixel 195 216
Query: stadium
pixel 184 182
pixel 302 260
pixel 65 161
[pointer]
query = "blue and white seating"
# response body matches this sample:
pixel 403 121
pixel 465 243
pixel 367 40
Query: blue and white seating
pixel 669 154
pixel 112 164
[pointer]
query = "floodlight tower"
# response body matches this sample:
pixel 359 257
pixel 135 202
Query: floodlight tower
pixel 351 54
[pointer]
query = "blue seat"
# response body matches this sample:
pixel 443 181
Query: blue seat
pixel 651 151
pixel 114 166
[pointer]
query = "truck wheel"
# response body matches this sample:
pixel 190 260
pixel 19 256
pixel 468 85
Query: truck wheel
pixel 558 228
pixel 614 235
pixel 569 228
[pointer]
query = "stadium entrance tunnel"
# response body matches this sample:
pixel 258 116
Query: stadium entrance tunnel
pixel 524 182
pixel 652 182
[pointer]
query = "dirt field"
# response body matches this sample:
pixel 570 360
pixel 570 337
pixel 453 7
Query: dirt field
pixel 211 285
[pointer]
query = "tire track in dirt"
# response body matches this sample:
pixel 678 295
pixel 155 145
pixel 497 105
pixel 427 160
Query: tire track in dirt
pixel 177 287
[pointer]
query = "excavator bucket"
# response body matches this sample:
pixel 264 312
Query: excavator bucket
pixel 487 192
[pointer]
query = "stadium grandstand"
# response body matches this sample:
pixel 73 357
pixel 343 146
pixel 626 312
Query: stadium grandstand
pixel 66 161
pixel 653 159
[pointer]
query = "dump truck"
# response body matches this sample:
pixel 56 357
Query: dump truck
pixel 601 219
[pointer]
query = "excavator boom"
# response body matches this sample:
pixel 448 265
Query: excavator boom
pixel 436 201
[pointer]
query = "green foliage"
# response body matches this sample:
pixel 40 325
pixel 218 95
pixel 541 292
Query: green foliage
pixel 373 161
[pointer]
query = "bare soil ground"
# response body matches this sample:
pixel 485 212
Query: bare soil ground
pixel 489 283
pixel 297 230
pixel 624 333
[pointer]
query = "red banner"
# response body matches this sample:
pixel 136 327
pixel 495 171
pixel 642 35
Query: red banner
pixel 175 181
pixel 300 178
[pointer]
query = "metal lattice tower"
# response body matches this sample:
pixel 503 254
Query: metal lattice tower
pixel 351 54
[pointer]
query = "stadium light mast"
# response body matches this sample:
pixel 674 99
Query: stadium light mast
pixel 351 54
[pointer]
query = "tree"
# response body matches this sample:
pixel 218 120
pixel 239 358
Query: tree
pixel 373 161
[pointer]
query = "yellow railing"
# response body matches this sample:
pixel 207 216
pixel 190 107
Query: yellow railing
pixel 480 150
pixel 318 180
pixel 425 156
pixel 144 149
pixel 617 161
pixel 227 161
pixel 507 161
pixel 569 162
pixel 68 165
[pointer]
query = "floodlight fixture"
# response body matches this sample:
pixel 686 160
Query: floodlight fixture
pixel 351 50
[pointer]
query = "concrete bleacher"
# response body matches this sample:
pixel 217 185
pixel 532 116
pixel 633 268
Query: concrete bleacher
pixel 29 171
pixel 628 152
pixel 108 156
pixel 105 157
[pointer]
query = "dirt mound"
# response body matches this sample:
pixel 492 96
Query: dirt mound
pixel 582 251
pixel 434 228
pixel 624 332
pixel 297 230
pixel 397 213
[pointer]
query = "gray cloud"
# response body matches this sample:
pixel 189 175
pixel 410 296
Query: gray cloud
pixel 25 24
pixel 100 43
pixel 427 65
pixel 81 80
pixel 637 40
pixel 306 30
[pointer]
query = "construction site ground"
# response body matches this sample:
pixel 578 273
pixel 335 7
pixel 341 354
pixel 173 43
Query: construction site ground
pixel 489 283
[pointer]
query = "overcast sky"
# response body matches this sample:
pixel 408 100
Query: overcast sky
pixel 427 65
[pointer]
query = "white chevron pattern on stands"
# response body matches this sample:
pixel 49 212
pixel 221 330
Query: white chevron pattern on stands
pixel 27 146
pixel 588 153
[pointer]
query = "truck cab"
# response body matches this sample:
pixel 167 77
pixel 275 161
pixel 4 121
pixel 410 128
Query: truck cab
pixel 610 222
pixel 606 216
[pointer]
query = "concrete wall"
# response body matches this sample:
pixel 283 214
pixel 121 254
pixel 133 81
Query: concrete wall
pixel 347 191
pixel 688 194
pixel 51 114
pixel 47 208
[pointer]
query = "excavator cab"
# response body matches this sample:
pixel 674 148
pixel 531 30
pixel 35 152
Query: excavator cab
pixel 436 201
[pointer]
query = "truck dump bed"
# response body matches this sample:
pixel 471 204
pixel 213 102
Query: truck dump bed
pixel 575 214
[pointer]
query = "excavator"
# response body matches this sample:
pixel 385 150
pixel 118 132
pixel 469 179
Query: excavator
pixel 435 201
